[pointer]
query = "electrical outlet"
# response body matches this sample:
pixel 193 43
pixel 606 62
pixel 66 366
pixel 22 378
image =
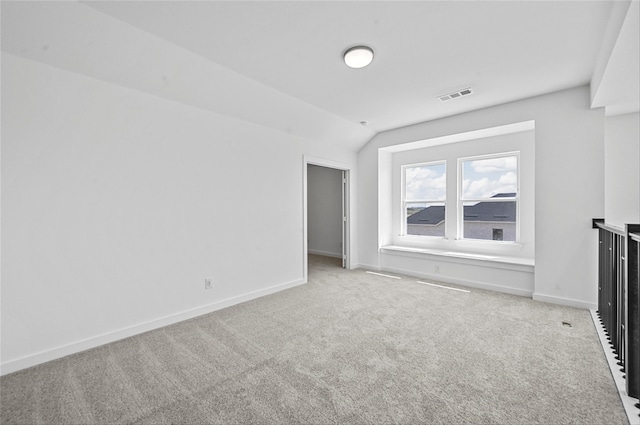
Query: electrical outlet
pixel 208 283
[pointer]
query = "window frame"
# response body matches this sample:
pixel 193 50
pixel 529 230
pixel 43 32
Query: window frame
pixel 460 200
pixel 404 201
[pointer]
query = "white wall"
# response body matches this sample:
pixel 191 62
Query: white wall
pixel 569 186
pixel 622 170
pixel 324 210
pixel 117 204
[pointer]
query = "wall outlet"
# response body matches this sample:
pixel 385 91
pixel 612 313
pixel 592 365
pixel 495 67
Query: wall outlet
pixel 208 282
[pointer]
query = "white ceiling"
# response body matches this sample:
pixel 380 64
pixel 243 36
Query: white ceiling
pixel 279 64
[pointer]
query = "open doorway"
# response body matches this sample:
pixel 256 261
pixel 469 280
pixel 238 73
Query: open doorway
pixel 326 210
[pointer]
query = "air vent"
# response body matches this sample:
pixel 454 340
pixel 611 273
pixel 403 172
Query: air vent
pixel 463 92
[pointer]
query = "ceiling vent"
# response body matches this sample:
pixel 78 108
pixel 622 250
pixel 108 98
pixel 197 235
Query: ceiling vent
pixel 454 95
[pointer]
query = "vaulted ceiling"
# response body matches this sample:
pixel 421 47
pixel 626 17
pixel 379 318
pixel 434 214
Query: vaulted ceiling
pixel 279 64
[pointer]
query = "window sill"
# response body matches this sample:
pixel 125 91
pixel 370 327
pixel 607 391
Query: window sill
pixel 485 260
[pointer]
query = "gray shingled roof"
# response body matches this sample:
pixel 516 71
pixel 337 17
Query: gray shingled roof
pixel 482 211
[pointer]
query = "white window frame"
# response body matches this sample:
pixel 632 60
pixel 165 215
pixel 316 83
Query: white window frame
pixel 460 200
pixel 404 201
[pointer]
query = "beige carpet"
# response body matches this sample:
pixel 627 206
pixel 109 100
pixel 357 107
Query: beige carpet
pixel 347 348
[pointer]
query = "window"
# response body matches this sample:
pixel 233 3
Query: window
pixel 502 163
pixel 424 196
pixel 488 204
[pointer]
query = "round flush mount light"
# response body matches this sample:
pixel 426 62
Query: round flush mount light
pixel 358 56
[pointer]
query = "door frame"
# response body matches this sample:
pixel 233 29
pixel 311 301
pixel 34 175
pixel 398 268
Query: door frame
pixel 346 246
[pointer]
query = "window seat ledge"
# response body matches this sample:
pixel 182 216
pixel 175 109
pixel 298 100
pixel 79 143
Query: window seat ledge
pixel 486 260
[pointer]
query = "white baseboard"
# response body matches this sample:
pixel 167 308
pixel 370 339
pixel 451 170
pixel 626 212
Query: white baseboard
pixel 324 253
pixel 618 376
pixel 366 267
pixel 462 282
pixel 491 287
pixel 569 302
pixel 96 341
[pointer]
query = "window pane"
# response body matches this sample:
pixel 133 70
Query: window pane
pixel 490 220
pixel 426 183
pixel 425 218
pixel 490 178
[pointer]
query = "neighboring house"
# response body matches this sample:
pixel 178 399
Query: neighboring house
pixel 484 220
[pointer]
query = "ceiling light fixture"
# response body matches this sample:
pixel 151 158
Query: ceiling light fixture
pixel 358 56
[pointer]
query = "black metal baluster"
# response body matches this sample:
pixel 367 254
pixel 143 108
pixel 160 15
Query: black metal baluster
pixel 632 313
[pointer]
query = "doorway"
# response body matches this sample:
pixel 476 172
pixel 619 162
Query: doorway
pixel 326 210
